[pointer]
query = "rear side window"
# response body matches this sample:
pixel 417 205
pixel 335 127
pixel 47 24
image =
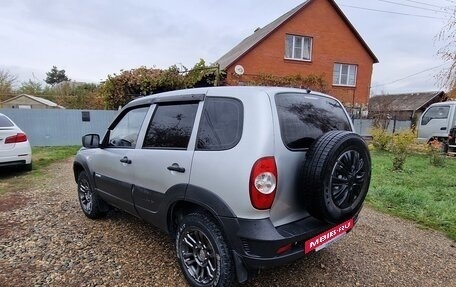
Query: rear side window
pixel 5 122
pixel 221 124
pixel 438 112
pixel 305 117
pixel 171 126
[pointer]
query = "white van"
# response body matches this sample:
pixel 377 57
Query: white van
pixel 436 121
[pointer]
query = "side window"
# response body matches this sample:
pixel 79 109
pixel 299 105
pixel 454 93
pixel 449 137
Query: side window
pixel 125 133
pixel 435 113
pixel 171 126
pixel 221 124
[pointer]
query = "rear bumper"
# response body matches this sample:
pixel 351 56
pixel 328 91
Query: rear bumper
pixel 20 154
pixel 15 160
pixel 257 242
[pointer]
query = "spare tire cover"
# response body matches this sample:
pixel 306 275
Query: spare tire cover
pixel 336 176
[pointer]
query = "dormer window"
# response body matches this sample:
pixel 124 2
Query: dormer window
pixel 298 47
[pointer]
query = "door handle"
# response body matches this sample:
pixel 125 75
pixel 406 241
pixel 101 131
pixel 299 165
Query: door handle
pixel 443 128
pixel 176 167
pixel 125 160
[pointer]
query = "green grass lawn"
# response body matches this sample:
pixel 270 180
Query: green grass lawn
pixel 16 180
pixel 422 192
pixel 44 156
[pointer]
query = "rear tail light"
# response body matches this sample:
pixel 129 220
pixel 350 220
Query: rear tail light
pixel 17 138
pixel 263 183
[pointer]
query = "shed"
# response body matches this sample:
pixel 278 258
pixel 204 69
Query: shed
pixel 25 101
pixel 406 106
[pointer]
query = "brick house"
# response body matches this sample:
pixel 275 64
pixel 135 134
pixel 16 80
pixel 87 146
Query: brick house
pixel 313 38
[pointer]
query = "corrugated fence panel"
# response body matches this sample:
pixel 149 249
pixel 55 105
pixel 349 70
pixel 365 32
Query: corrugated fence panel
pixel 364 126
pixel 46 127
pixel 55 127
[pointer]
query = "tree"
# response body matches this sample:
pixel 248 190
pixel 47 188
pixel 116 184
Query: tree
pixel 202 75
pixel 55 76
pixel 118 90
pixel 7 81
pixel 448 52
pixel 31 87
pixel 72 95
pixel 310 81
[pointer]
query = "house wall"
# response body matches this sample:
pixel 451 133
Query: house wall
pixel 14 104
pixel 333 41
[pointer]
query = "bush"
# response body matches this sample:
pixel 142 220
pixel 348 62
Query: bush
pixel 400 147
pixel 435 152
pixel 381 138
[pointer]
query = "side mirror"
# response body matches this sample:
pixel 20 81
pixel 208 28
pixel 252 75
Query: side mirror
pixel 91 141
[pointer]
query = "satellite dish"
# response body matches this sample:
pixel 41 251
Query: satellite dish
pixel 239 70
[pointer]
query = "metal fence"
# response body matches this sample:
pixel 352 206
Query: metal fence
pixel 55 127
pixel 364 126
pixel 52 127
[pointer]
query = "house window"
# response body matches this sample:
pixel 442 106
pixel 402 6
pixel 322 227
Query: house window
pixel 298 47
pixel 345 74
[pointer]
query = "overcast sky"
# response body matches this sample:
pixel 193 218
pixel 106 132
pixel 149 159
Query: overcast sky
pixel 91 39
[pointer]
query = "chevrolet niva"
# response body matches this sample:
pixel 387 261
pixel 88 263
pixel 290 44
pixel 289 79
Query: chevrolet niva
pixel 241 178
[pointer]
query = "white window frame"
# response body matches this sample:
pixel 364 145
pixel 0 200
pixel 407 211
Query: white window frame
pixel 351 69
pixel 301 56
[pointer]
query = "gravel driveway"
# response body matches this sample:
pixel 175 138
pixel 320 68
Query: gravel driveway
pixel 45 240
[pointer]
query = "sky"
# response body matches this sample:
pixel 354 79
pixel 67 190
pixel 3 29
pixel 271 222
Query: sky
pixel 91 39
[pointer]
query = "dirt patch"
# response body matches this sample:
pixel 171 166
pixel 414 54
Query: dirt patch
pixel 51 243
pixel 8 203
pixel 12 201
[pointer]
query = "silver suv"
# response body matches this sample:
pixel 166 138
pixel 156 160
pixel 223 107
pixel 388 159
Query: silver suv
pixel 242 178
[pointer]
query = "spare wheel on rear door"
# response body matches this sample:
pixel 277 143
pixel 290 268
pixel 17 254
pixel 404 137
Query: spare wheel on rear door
pixel 336 176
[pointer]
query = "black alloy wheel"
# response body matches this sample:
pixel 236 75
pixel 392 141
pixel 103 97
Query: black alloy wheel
pixel 204 256
pixel 347 178
pixel 198 256
pixel 85 195
pixel 91 204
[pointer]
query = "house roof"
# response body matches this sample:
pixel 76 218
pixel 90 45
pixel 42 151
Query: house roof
pixel 260 34
pixel 36 99
pixel 403 102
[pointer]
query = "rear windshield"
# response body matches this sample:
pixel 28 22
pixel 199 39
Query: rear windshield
pixel 305 117
pixel 5 122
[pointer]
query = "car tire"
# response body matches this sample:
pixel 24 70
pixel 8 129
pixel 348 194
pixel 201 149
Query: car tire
pixel 91 204
pixel 336 176
pixel 203 253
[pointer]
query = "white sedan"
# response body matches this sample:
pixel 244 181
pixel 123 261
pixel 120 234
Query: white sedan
pixel 15 148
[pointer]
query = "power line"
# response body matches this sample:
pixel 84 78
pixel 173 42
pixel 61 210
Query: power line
pixel 391 12
pixel 413 6
pixel 407 77
pixel 423 3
